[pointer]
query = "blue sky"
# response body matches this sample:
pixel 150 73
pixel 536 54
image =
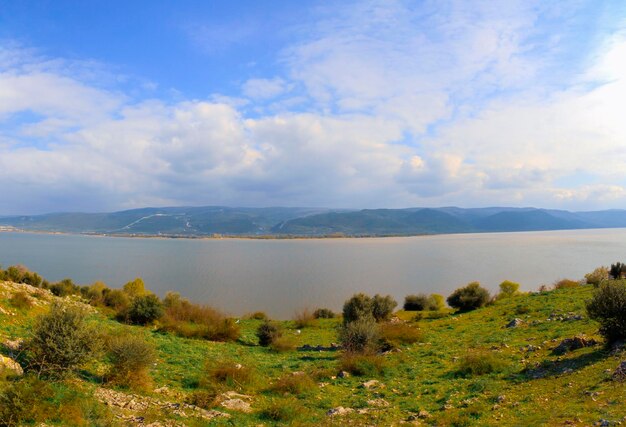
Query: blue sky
pixel 108 105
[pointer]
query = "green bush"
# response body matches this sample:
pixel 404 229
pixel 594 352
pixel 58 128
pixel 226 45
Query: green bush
pixel 324 313
pixel 468 298
pixel 131 357
pixel 382 307
pixel 597 276
pixel 116 299
pixel 62 341
pixel 64 288
pixel 479 362
pixel 437 302
pixel 268 332
pixel 617 270
pixel 360 336
pixel 362 307
pixel 508 289
pixel 608 307
pixel 419 302
pixel 358 307
pixel 144 309
pixel 26 401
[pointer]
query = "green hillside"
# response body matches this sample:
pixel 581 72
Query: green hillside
pixel 417 384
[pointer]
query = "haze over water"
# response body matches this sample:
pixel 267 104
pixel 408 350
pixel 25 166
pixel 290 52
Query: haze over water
pixel 281 276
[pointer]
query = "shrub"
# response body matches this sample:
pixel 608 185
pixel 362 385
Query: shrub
pixel 597 276
pixel 437 302
pixel 135 288
pixel 204 399
pixel 478 362
pixel 382 307
pixel 64 288
pixel 258 315
pixel 324 313
pixel 608 307
pixel 268 332
pixel 62 341
pixel 358 307
pixel 419 302
pixel 397 334
pixel 297 383
pixel 508 289
pixel 617 270
pixel 25 401
pixel 95 293
pixel 144 309
pixel 116 299
pixel 361 336
pixel 283 344
pixel 362 364
pixel 196 321
pixel 469 297
pixel 131 358
pixel 228 373
pixel 21 300
pixel 565 284
pixel 303 319
pixel 283 410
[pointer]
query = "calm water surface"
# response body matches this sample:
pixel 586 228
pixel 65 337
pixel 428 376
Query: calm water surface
pixel 281 276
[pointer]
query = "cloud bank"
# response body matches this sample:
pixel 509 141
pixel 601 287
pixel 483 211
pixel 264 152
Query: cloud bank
pixel 374 104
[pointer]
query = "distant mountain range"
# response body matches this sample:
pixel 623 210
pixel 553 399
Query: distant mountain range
pixel 285 222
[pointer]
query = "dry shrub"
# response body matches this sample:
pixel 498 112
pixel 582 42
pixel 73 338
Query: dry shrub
pixel 360 336
pixel 257 315
pixel 131 358
pixel 197 321
pixel 228 373
pixel 397 334
pixel 304 318
pixel 565 284
pixel 362 364
pixel 268 332
pixel 479 362
pixel 283 344
pixel 297 383
pixel 21 300
pixel 282 411
pixel 204 399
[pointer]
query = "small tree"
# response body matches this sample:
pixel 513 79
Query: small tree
pixel 62 340
pixel 437 302
pixel 618 270
pixel 136 288
pixel 608 306
pixel 469 297
pixel 508 289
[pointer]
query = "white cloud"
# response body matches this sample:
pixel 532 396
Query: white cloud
pixel 383 104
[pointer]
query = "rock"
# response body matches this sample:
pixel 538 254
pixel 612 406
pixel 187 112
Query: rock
pixel 515 323
pixel 372 384
pixel 423 414
pixel 501 398
pixel 343 374
pixel 570 344
pixel 339 411
pixel 13 345
pixel 237 405
pixel 380 403
pixel 8 364
pixel 620 372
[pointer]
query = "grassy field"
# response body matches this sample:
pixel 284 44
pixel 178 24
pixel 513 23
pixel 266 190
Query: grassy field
pixel 468 369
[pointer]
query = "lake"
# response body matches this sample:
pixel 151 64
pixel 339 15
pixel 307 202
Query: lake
pixel 281 276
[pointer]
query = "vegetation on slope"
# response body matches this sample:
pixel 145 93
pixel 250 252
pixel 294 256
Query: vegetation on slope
pixel 434 368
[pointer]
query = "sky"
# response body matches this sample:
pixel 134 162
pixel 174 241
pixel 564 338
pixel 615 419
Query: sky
pixel 111 105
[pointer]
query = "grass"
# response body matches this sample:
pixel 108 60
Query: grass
pixel 524 377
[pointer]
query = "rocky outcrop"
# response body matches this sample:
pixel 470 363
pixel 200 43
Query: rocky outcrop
pixel 10 365
pixel 570 344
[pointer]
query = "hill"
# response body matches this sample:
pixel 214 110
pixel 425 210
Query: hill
pixel 312 222
pixel 418 383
